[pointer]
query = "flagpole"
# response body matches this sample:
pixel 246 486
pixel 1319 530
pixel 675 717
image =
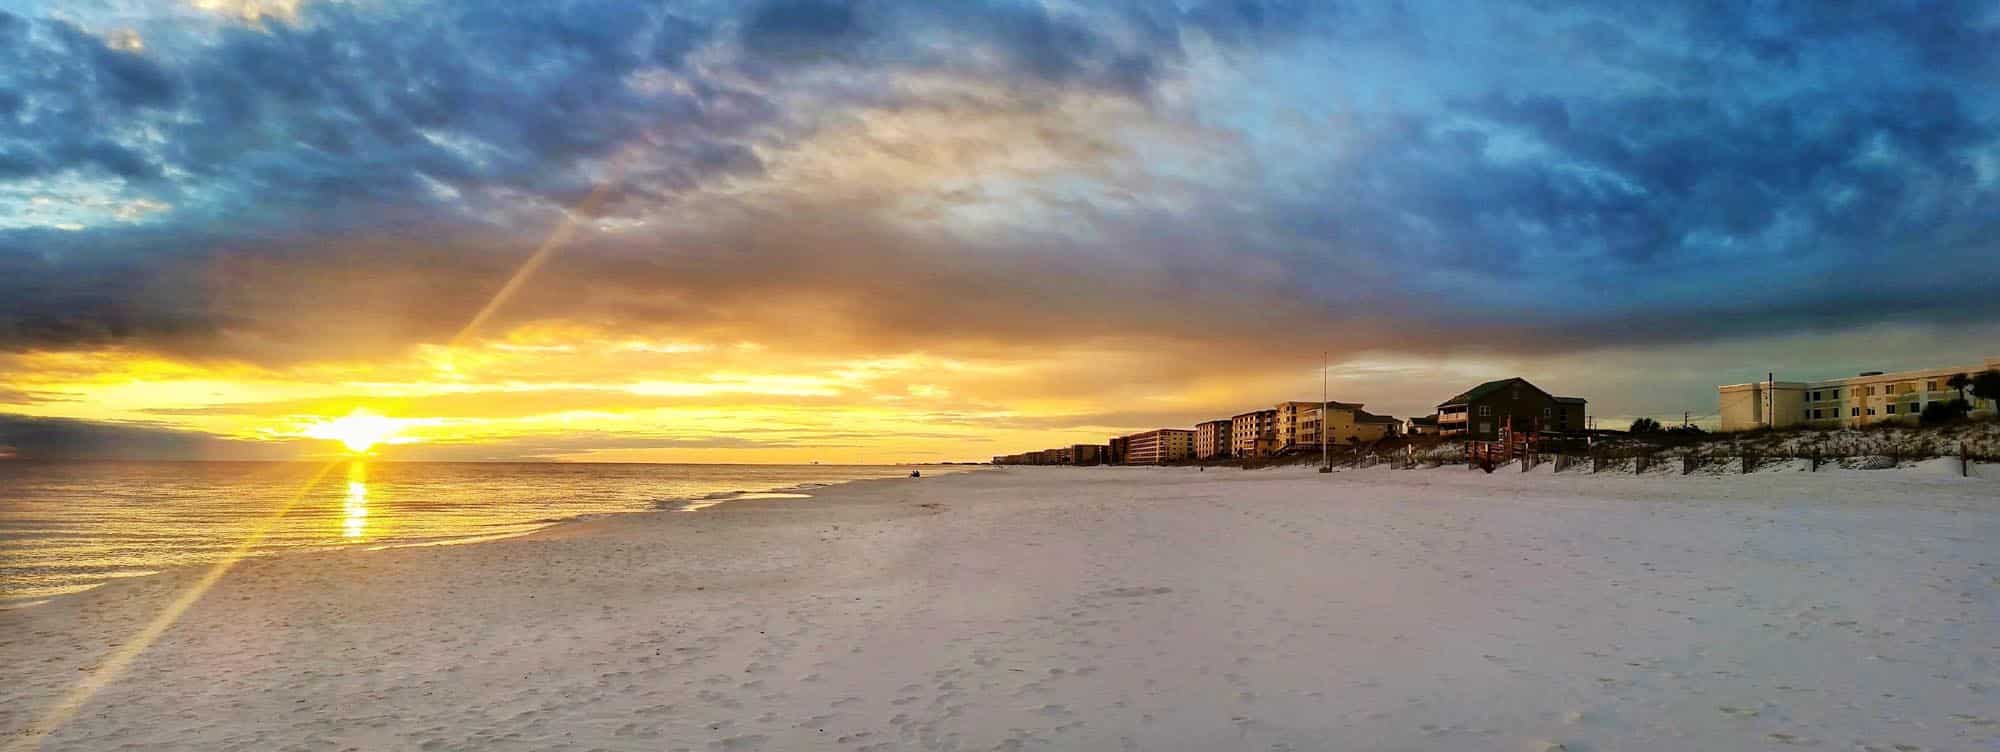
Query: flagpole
pixel 1325 460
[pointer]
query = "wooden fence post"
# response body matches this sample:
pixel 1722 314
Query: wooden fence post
pixel 1815 459
pixel 1749 462
pixel 1688 462
pixel 1964 461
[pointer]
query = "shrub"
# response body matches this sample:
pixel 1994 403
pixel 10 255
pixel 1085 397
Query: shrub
pixel 1938 413
pixel 1645 425
pixel 1986 386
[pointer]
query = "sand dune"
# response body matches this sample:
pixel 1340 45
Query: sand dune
pixel 1099 608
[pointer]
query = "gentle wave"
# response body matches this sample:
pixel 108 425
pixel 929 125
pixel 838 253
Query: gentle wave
pixel 64 527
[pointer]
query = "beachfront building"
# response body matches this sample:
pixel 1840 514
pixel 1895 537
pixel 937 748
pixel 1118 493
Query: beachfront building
pixel 1422 425
pixel 1289 417
pixel 1306 431
pixel 1159 446
pixel 1868 398
pixel 1343 423
pixel 1211 440
pixel 1057 456
pixel 1115 451
pixel 1088 454
pixel 1254 434
pixel 1485 412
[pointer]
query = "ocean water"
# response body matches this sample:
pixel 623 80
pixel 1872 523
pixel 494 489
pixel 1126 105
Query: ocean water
pixel 70 526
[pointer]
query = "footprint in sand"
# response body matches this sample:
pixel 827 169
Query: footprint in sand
pixel 1131 592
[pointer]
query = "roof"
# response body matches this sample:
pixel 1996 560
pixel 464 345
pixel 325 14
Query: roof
pixel 1157 430
pixel 1424 420
pixel 1495 387
pixel 1570 400
pixel 1338 405
pixel 1363 416
pixel 1223 421
pixel 1483 391
pixel 1329 403
pixel 1254 412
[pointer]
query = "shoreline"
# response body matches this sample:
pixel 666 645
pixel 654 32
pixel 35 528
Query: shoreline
pixel 663 505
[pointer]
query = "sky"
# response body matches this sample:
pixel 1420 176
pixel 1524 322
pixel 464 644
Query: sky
pixel 906 230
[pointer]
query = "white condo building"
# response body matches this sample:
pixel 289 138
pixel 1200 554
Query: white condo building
pixel 1871 397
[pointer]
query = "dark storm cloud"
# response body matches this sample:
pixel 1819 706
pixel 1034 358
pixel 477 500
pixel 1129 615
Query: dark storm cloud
pixel 575 443
pixel 1124 46
pixel 28 437
pixel 354 129
pixel 366 178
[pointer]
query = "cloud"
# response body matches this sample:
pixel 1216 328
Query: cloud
pixel 1197 190
pixel 28 437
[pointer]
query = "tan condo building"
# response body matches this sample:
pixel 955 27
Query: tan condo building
pixel 1290 417
pixel 1159 446
pixel 1344 424
pixel 1869 398
pixel 1253 434
pixel 1211 439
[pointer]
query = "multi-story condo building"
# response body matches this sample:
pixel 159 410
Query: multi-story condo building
pixel 1088 454
pixel 1211 439
pixel 1289 417
pixel 1159 446
pixel 1871 397
pixel 1483 412
pixel 1253 434
pixel 1343 423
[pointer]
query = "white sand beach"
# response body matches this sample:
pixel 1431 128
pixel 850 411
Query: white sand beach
pixel 1095 608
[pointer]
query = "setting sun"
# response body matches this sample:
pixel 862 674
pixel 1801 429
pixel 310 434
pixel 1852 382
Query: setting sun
pixel 359 430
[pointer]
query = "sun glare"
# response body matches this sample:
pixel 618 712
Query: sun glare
pixel 359 431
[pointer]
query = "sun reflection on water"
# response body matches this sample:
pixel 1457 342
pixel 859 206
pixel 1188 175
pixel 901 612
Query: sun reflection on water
pixel 355 523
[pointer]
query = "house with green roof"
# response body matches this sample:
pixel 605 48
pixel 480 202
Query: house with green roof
pixel 1483 412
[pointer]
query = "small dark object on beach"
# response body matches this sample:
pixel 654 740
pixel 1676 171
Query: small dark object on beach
pixel 916 474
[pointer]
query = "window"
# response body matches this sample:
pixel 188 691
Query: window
pixel 1930 386
pixel 1836 394
pixel 1815 414
pixel 1871 411
pixel 1485 410
pixel 1892 408
pixel 1548 412
pixel 1870 392
pixel 1853 412
pixel 1815 396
